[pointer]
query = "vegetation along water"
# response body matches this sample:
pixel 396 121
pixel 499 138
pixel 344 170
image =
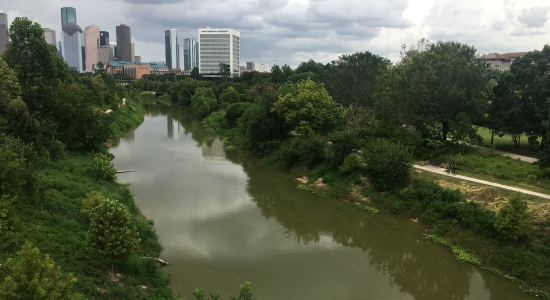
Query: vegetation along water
pixel 350 130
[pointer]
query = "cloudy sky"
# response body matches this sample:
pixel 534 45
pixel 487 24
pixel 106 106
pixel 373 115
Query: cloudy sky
pixel 293 31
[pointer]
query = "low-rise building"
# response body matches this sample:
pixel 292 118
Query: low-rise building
pixel 136 69
pixel 501 62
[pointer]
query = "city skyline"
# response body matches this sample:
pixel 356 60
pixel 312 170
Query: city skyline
pixel 294 31
pixel 124 43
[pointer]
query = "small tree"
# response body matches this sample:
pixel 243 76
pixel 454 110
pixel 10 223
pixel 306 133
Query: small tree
pixel 102 168
pixel 388 164
pixel 109 231
pixel 203 102
pixel 34 277
pixel 513 219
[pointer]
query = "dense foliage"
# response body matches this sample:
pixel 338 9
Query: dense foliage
pixel 54 129
pixel 361 120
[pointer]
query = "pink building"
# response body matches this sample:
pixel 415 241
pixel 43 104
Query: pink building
pixel 91 37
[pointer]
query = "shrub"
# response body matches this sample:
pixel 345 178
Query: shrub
pixel 513 219
pixel 388 164
pixel 102 168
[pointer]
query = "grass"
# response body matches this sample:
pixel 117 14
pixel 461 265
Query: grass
pixel 151 98
pixel 506 144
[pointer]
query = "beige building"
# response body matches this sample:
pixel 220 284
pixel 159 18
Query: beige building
pixel 91 38
pixel 501 62
pixel 105 54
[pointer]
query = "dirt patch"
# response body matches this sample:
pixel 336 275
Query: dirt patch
pixel 302 180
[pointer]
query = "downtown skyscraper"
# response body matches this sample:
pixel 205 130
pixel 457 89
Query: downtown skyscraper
pixel 3 32
pixel 91 37
pixel 172 49
pixel 124 43
pixel 219 46
pixel 189 54
pixel 103 38
pixel 72 43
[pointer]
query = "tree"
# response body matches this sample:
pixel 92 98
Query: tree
pixel 225 70
pixel 351 80
pixel 204 102
pixel 508 113
pixel 229 96
pixel 38 67
pixel 389 165
pixel 531 80
pixel 195 74
pixel 101 168
pixel 432 87
pixel 35 277
pixel 513 219
pixel 277 76
pixel 109 231
pixel 308 107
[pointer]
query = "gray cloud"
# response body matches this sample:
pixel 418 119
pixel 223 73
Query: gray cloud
pixel 292 31
pixel 535 17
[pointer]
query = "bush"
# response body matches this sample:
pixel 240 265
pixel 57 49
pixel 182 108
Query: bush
pixel 513 219
pixel 388 164
pixel 102 168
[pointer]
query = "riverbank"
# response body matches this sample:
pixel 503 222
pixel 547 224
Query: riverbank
pixel 54 221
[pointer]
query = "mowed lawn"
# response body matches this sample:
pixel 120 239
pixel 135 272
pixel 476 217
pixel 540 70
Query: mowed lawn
pixel 505 143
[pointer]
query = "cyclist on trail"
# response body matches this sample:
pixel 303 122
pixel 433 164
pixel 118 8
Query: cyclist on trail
pixel 452 167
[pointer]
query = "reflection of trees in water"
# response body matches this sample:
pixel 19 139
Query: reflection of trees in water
pixel 422 274
pixel 190 124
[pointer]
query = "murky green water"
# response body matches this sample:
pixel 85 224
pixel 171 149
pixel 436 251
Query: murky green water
pixel 224 219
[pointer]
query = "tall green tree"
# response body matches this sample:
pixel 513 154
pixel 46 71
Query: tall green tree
pixel 38 67
pixel 308 107
pixel 531 81
pixel 351 80
pixel 204 102
pixel 109 230
pixel 35 277
pixel 430 88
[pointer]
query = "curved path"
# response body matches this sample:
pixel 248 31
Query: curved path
pixel 441 171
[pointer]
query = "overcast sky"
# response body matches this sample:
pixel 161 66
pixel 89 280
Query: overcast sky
pixel 293 31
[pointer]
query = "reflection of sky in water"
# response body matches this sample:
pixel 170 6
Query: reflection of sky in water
pixel 211 220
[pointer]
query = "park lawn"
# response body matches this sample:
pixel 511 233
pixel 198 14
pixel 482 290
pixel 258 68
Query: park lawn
pixel 505 143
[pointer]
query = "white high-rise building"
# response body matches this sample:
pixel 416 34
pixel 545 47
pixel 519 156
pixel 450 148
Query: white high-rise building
pixel 219 46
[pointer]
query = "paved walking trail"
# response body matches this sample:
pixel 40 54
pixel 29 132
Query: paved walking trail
pixel 441 171
pixel 512 155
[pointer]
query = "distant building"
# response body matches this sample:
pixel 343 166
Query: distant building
pixel 137 58
pixel 136 69
pixel 263 68
pixel 104 38
pixel 72 39
pixel 124 43
pixel 49 35
pixel 189 54
pixel 250 65
pixel 501 62
pixel 115 48
pixel 133 55
pixel 210 54
pixel 105 54
pixel 91 37
pixel 172 49
pixel 4 26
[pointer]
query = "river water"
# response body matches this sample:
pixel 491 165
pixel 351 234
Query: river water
pixel 223 219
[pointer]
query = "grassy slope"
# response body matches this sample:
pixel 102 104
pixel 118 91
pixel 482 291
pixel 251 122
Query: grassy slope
pixel 56 225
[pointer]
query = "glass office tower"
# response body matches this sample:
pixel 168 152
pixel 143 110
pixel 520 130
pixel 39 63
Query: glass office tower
pixel 189 54
pixel 72 43
pixel 172 49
